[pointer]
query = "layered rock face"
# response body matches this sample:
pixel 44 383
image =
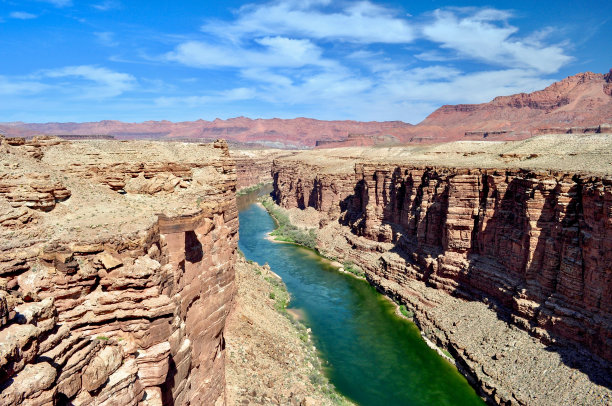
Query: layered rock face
pixel 535 243
pixel 111 298
pixel 253 166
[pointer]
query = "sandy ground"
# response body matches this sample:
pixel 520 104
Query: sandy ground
pixel 590 154
pixel 270 359
pixel 499 353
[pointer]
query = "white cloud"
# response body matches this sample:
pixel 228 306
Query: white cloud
pixel 106 38
pixel 106 83
pixel 22 15
pixel 59 3
pixel 485 35
pixel 276 52
pixel 20 86
pixel 231 95
pixel 359 22
pixel 107 5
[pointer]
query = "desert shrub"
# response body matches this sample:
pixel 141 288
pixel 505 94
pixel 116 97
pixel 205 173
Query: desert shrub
pixel 285 230
pixel 352 268
pixel 404 311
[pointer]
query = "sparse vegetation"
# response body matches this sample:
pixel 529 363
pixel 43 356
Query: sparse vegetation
pixel 247 190
pixel 316 377
pixel 405 312
pixel 448 354
pixel 354 269
pixel 285 230
pixel 279 294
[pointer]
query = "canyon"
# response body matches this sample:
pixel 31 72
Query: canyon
pixel 578 103
pixel 118 255
pixel 116 271
pixel 118 261
pixel 500 249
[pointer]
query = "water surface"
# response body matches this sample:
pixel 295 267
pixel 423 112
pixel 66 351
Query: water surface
pixel 371 355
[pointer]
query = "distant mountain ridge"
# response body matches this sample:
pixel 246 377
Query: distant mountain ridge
pixel 298 132
pixel 580 101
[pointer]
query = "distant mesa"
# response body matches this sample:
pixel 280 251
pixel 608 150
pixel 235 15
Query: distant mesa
pixel 359 140
pixel 584 100
pixel 77 137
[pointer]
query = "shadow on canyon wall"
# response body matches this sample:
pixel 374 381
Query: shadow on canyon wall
pixel 499 248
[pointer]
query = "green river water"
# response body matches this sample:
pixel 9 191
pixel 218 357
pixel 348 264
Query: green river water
pixel 371 355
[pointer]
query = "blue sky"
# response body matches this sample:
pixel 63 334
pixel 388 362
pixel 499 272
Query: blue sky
pixel 79 60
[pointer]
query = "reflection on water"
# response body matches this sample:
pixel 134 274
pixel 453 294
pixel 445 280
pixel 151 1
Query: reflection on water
pixel 373 356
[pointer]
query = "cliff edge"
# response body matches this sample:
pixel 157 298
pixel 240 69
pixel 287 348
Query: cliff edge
pixel 116 271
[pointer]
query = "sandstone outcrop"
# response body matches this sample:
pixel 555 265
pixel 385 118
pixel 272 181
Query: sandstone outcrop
pixel 533 244
pixel 116 297
pixel 253 166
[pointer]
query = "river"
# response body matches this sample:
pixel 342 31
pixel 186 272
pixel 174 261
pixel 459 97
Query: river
pixel 371 355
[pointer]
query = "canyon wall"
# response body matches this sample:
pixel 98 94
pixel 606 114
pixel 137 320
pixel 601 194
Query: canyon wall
pixel 116 291
pixel 253 166
pixel 535 244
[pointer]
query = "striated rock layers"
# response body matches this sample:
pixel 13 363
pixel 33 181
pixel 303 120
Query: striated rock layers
pixel 253 166
pixel 535 245
pixel 111 298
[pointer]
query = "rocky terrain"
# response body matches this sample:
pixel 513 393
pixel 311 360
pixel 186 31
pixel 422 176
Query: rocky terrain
pixel 580 103
pixel 253 166
pixel 500 249
pixel 116 271
pixel 271 359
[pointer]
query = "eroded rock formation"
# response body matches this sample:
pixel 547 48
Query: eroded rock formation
pixel 111 298
pixel 535 245
pixel 253 166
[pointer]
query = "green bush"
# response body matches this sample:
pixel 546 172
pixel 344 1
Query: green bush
pixel 354 269
pixel 285 231
pixel 405 312
pixel 247 190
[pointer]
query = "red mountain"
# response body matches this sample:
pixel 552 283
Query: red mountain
pixel 298 132
pixel 583 100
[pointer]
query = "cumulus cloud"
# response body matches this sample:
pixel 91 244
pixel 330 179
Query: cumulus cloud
pixel 389 65
pixel 485 35
pixel 22 15
pixel 359 22
pixel 100 82
pixel 277 52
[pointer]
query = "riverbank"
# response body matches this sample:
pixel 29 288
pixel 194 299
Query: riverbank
pixel 246 190
pixel 502 362
pixel 271 358
pixel 284 218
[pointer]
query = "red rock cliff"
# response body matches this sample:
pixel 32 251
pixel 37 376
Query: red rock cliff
pixel 538 244
pixel 128 312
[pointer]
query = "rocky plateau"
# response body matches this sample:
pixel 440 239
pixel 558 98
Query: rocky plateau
pixel 116 271
pixel 501 249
